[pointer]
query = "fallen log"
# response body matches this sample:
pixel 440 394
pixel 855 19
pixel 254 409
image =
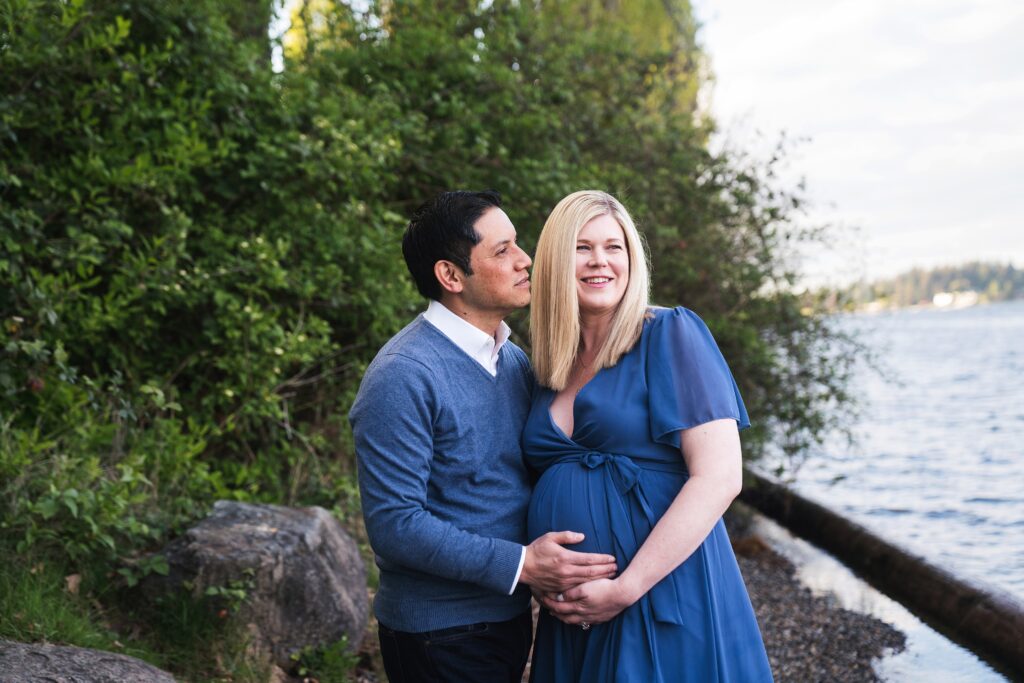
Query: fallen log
pixel 986 620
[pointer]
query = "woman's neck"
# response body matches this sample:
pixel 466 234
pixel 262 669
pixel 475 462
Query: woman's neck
pixel 593 334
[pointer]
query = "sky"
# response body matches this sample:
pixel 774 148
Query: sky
pixel 907 118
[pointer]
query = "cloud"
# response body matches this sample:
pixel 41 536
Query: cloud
pixel 973 23
pixel 913 111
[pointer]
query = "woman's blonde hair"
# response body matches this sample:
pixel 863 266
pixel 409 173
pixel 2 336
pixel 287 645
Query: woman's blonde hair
pixel 554 310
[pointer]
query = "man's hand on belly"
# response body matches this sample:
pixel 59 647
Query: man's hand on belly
pixel 551 568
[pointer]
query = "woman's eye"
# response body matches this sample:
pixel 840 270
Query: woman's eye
pixel 582 247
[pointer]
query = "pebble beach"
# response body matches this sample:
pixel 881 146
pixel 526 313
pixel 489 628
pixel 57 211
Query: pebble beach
pixel 809 637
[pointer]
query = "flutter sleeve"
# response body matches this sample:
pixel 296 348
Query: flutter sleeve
pixel 688 380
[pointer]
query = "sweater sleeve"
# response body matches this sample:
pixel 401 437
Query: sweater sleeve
pixel 393 421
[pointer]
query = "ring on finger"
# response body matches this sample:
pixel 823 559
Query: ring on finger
pixel 560 598
pixel 585 625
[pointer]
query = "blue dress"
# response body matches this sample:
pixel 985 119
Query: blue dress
pixel 612 481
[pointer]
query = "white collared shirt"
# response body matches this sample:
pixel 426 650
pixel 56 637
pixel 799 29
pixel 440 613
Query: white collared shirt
pixel 477 344
pixel 481 347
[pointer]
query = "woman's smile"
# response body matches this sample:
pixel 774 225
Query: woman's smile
pixel 602 265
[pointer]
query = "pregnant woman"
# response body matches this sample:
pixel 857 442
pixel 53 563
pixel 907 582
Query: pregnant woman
pixel 635 434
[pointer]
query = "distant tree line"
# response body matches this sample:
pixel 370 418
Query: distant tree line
pixel 991 281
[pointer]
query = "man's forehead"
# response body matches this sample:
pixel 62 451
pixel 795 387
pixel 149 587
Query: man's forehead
pixel 494 226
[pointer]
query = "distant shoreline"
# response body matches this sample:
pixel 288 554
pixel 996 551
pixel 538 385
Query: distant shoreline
pixel 944 287
pixel 951 304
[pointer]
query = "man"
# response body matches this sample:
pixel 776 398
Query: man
pixel 444 489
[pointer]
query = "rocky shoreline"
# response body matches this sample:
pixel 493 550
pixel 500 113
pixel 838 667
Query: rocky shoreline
pixel 808 637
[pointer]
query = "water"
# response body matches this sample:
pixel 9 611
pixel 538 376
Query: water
pixel 926 656
pixel 938 466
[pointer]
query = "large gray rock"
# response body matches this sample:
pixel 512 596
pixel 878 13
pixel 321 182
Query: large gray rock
pixel 304 579
pixel 39 663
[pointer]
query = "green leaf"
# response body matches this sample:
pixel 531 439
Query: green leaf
pixel 47 507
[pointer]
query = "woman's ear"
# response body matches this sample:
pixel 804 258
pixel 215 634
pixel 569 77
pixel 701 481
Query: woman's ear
pixel 450 276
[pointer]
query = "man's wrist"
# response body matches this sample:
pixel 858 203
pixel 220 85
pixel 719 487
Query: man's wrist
pixel 519 572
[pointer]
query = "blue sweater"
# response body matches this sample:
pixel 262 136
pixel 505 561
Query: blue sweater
pixel 443 484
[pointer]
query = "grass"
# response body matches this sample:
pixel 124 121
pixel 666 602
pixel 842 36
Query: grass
pixel 192 639
pixel 35 605
pixel 196 640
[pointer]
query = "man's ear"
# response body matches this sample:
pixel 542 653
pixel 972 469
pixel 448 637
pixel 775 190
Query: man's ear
pixel 450 276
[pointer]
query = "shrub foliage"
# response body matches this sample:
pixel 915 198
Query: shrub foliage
pixel 200 253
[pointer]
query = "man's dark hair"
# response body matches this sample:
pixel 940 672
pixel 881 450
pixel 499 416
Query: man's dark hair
pixel 442 230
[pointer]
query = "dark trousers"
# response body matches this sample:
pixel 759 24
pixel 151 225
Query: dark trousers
pixel 489 652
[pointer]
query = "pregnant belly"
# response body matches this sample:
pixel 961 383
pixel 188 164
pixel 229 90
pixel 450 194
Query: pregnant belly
pixel 570 497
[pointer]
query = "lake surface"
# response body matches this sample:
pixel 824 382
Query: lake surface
pixel 938 465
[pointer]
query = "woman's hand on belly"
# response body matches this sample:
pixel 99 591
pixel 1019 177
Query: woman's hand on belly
pixel 593 602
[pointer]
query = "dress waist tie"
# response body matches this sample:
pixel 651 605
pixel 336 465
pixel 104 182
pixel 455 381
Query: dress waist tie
pixel 623 472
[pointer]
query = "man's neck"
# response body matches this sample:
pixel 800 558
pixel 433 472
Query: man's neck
pixel 484 321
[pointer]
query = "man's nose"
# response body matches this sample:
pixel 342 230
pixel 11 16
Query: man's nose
pixel 524 259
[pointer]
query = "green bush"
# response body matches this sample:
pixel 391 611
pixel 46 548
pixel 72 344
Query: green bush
pixel 199 256
pixel 195 265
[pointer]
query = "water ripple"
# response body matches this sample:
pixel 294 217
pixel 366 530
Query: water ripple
pixel 937 466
